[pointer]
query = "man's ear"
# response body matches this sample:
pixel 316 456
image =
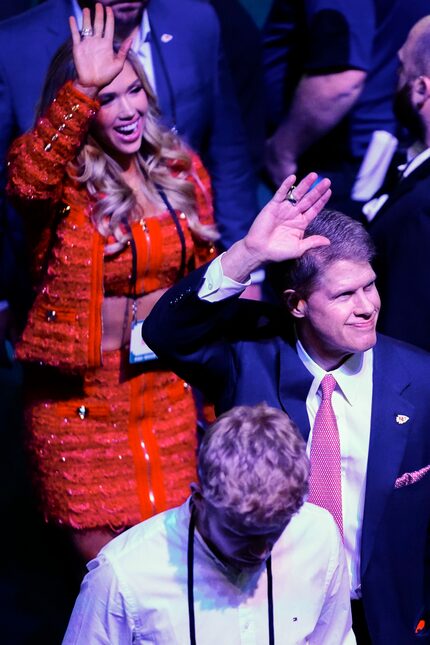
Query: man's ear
pixel 295 304
pixel 420 91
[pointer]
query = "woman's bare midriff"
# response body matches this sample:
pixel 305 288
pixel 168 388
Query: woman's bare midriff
pixel 117 314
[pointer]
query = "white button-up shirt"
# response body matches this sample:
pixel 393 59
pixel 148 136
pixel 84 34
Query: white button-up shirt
pixel 136 589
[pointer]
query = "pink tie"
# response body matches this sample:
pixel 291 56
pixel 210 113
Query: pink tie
pixel 325 486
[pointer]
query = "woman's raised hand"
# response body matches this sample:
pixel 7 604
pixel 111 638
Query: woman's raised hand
pixel 96 62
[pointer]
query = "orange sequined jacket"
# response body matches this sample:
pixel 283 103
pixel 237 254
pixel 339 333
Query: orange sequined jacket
pixel 65 322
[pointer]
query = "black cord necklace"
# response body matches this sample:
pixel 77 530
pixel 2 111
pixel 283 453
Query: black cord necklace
pixel 179 230
pixel 190 586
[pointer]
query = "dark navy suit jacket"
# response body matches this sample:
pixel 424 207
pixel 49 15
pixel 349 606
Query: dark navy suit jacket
pixel 401 231
pixel 193 86
pixel 241 352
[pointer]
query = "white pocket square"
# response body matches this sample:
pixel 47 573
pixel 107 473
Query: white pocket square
pixel 411 478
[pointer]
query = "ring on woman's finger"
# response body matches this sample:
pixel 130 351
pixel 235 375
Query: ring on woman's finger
pixel 290 197
pixel 87 31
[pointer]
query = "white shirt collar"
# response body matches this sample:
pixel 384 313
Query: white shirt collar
pixel 358 365
pixel 143 33
pixel 416 156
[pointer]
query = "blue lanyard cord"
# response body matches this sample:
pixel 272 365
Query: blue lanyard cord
pixel 181 235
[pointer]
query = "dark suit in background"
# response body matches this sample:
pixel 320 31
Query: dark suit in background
pixel 401 232
pixel 316 38
pixel 243 49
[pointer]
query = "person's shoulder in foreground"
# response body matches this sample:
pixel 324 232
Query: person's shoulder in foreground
pixel 137 587
pixel 106 606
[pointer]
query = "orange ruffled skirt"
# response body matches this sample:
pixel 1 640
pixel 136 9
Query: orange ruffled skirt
pixel 113 448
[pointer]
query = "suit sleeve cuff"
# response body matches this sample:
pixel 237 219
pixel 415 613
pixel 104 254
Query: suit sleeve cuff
pixel 216 286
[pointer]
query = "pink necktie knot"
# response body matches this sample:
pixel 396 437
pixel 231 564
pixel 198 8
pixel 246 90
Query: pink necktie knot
pixel 328 385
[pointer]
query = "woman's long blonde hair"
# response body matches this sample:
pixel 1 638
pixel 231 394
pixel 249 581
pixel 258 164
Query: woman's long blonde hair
pixel 163 161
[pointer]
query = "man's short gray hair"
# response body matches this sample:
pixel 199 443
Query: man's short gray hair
pixel 253 466
pixel 349 240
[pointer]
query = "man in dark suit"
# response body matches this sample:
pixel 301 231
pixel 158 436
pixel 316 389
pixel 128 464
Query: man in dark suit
pixel 400 221
pixel 330 71
pixel 192 84
pixel 242 352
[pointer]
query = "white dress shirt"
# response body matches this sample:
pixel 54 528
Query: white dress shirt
pixel 136 589
pixel 352 404
pixel 142 47
pixel 141 44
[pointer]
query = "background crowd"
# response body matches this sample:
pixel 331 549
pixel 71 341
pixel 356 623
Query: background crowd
pixel 247 93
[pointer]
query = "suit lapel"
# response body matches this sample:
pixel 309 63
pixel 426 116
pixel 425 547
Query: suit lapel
pixel 405 186
pixel 294 384
pixel 387 439
pixel 163 47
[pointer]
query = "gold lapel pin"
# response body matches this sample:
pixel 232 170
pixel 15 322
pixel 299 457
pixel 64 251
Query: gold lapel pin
pixel 166 38
pixel 401 419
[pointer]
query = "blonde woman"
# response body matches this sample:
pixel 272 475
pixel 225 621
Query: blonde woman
pixel 117 210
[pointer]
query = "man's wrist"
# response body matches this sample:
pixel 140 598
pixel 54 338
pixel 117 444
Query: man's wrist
pixel 240 261
pixel 217 286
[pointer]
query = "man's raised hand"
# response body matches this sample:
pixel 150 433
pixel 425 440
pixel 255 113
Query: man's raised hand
pixel 277 232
